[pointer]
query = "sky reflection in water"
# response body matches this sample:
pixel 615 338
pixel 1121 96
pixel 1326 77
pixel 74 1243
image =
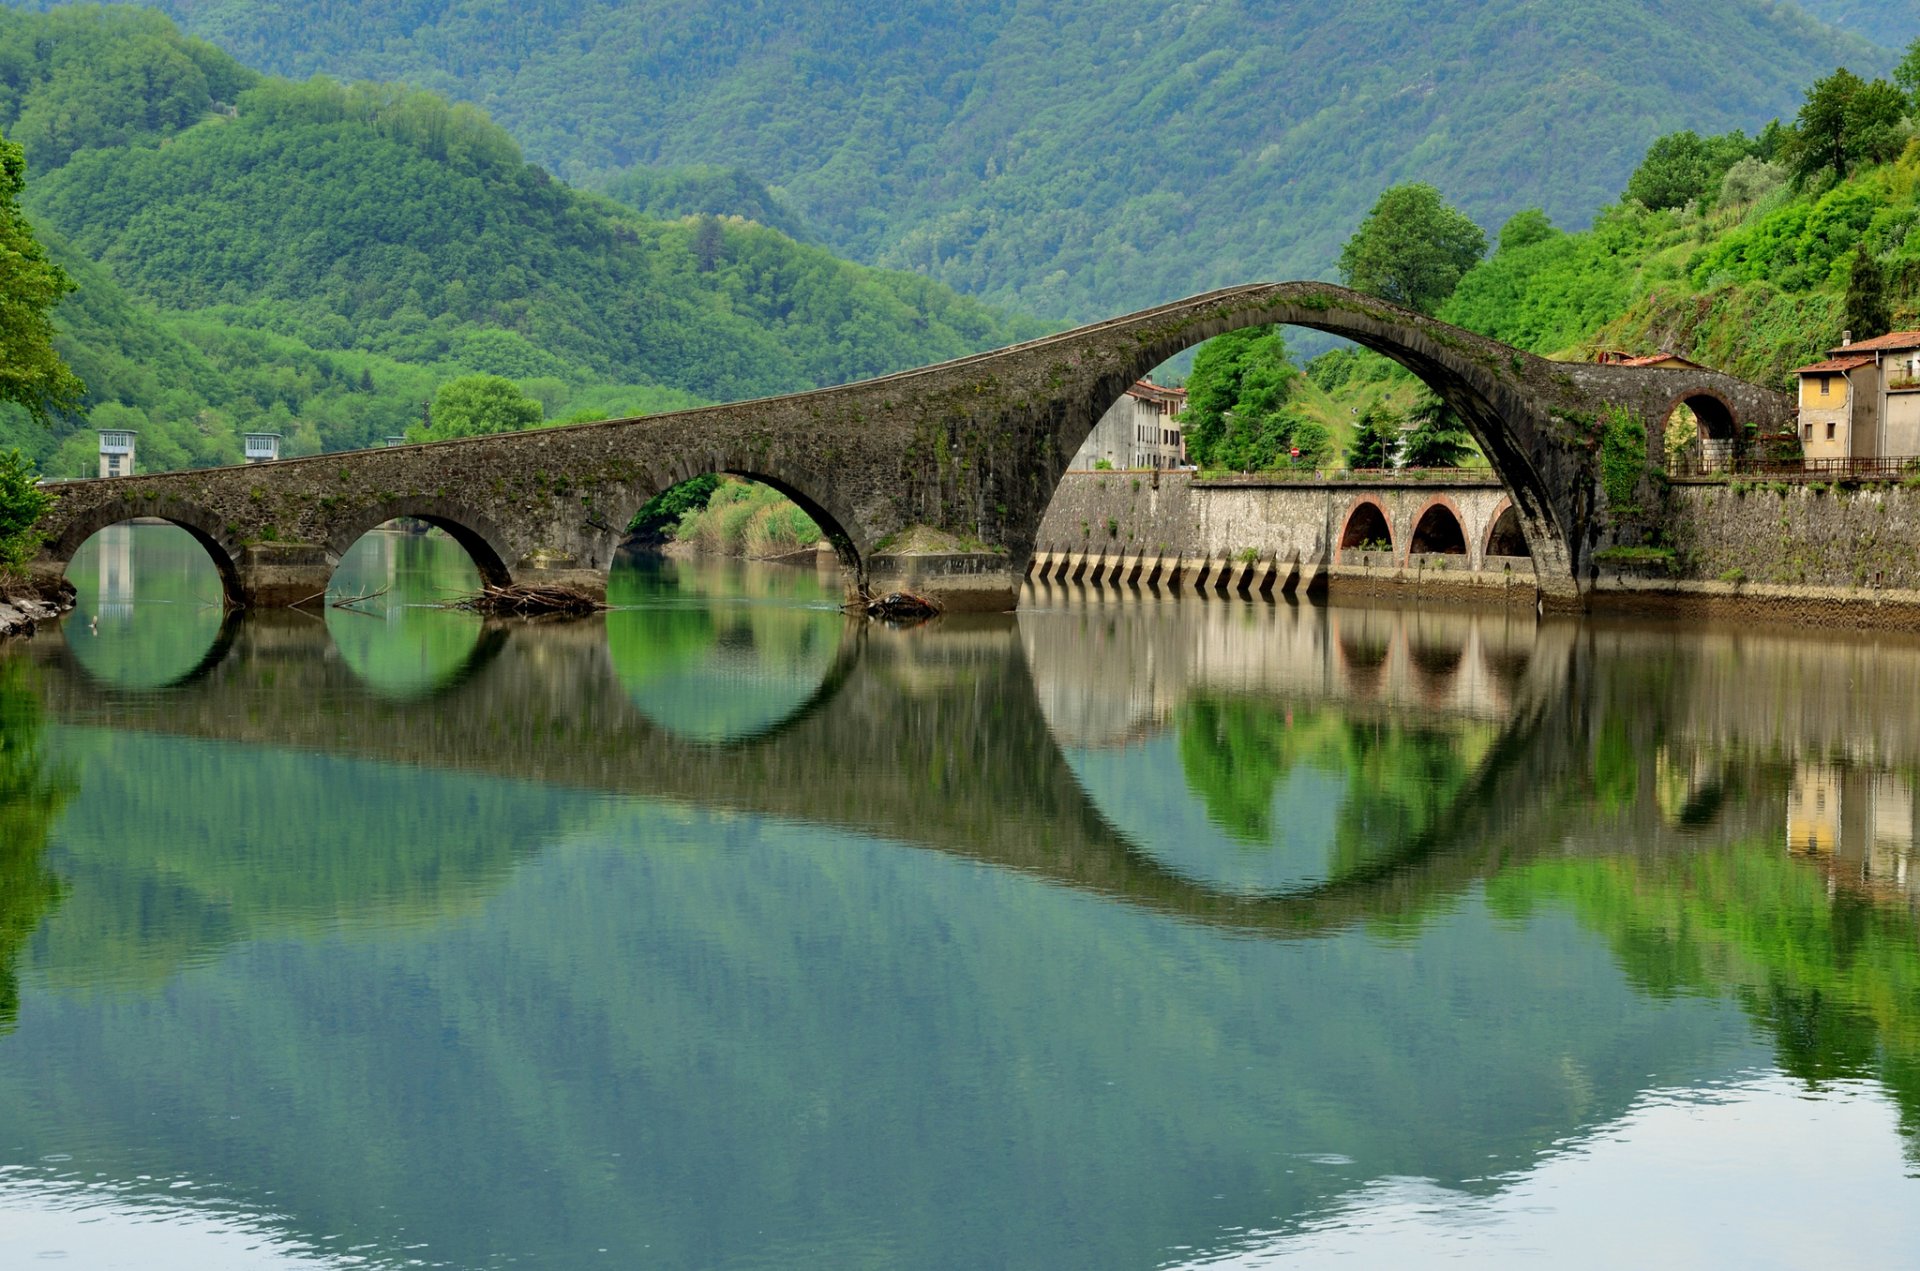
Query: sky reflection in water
pixel 1126 934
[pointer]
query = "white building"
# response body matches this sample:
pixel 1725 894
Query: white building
pixel 262 447
pixel 1141 430
pixel 116 452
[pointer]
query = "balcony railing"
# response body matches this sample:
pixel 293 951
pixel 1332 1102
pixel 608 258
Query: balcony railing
pixel 1894 468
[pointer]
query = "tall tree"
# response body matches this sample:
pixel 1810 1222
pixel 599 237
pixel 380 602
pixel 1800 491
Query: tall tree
pixel 1377 440
pixel 1846 121
pixel 1867 311
pixel 31 372
pixel 1412 249
pixel 1438 438
pixel 1236 400
pixel 1907 77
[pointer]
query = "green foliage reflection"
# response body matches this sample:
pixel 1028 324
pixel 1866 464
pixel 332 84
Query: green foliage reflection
pixel 702 662
pixel 402 639
pixel 33 793
pixel 149 607
pixel 1833 975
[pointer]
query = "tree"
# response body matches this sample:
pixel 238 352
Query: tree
pixel 475 406
pixel 1236 400
pixel 1438 438
pixel 1412 249
pixel 1907 77
pixel 22 503
pixel 1867 312
pixel 1524 229
pixel 31 372
pixel 1377 439
pixel 1684 167
pixel 1846 121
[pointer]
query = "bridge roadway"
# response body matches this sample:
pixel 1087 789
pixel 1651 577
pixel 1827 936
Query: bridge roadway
pixel 954 751
pixel 971 448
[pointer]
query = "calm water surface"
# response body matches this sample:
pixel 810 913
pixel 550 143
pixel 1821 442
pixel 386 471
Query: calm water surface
pixel 721 932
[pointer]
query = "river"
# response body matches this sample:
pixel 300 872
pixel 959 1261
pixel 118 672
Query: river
pixel 725 932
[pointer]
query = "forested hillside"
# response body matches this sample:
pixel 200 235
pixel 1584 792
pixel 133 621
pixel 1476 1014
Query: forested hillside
pixel 1081 157
pixel 314 259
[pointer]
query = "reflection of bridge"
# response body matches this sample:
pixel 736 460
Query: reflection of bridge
pixel 971 448
pixel 946 728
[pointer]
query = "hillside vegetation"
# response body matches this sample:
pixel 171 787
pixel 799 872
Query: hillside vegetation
pixel 1747 269
pixel 1079 158
pixel 315 258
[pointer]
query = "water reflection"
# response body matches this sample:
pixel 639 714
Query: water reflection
pixel 1484 922
pixel 389 610
pixel 149 610
pixel 721 651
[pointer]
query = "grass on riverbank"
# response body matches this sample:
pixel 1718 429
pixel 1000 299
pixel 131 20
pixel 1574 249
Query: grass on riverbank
pixel 745 518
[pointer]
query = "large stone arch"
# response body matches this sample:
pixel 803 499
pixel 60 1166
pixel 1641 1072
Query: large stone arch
pixel 1719 424
pixel 1485 382
pixel 474 531
pixel 221 545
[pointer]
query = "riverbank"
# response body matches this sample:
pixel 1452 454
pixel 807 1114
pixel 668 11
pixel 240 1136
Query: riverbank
pixel 1805 553
pixel 21 615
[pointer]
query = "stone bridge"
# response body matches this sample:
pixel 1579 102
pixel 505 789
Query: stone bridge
pixel 972 448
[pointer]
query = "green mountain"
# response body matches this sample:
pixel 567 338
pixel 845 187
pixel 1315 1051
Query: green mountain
pixel 315 258
pixel 1083 157
pixel 1891 22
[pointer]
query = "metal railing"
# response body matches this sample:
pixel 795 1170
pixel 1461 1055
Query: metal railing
pixel 1894 468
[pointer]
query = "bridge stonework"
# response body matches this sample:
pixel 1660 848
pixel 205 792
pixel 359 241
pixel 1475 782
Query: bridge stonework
pixel 972 448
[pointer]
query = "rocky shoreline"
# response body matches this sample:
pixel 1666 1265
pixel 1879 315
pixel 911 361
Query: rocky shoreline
pixel 21 615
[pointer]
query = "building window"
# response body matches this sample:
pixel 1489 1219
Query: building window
pixel 1829 430
pixel 1826 384
pixel 1809 432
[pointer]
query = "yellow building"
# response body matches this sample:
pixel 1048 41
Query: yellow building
pixel 1863 402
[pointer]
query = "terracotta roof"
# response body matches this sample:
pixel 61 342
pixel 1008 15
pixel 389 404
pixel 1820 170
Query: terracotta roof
pixel 1654 359
pixel 1156 392
pixel 1897 340
pixel 1835 365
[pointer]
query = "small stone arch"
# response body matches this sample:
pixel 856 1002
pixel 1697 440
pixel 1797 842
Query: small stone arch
pixel 1366 522
pixel 1718 430
pixel 1504 535
pixel 1438 530
pixel 475 533
pixel 205 528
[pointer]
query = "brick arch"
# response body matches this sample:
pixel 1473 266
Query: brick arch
pixel 1353 510
pixel 1452 509
pixel 220 544
pixel 1506 508
pixel 475 532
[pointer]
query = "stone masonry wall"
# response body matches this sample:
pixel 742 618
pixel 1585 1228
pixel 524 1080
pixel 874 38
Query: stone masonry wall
pixel 1798 535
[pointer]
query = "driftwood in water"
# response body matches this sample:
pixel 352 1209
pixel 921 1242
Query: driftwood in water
pixel 896 606
pixel 527 602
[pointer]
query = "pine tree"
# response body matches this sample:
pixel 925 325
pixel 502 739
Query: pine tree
pixel 1377 440
pixel 1438 438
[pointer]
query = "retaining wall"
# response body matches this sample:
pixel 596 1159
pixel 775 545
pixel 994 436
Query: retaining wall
pixel 1797 552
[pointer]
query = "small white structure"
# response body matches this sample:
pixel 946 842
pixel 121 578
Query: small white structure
pixel 262 447
pixel 396 441
pixel 116 452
